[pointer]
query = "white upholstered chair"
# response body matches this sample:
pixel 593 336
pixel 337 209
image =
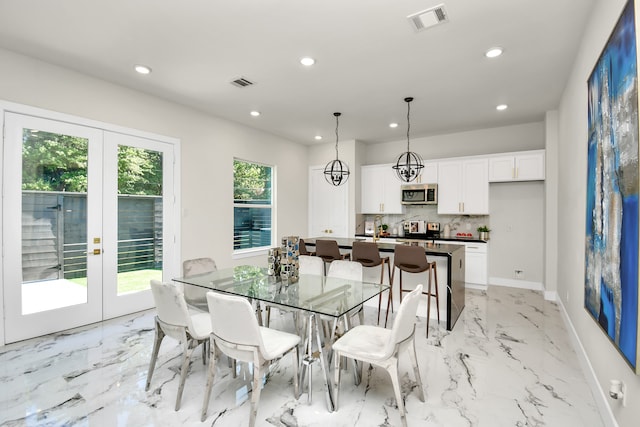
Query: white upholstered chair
pixel 235 331
pixel 173 319
pixel 382 347
pixel 195 296
pixel 311 265
pixel 349 270
pixel 307 264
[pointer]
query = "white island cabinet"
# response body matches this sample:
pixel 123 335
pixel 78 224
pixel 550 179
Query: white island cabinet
pixel 380 190
pixel 463 187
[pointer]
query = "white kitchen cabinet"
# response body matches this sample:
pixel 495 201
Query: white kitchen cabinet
pixel 523 166
pixel 463 187
pixel 475 260
pixel 476 263
pixel 429 174
pixel 380 190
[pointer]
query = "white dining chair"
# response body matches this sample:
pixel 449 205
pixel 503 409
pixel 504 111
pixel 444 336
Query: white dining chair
pixel 197 297
pixel 307 264
pixel 382 347
pixel 173 319
pixel 348 270
pixel 235 331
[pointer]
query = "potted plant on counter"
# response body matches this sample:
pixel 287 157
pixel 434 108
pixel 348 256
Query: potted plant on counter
pixel 483 232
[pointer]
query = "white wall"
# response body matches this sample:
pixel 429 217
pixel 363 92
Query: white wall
pixel 208 146
pixel 528 136
pixel 517 231
pixel 603 357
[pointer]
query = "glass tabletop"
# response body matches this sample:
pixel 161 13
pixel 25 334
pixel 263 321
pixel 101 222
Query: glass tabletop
pixel 324 295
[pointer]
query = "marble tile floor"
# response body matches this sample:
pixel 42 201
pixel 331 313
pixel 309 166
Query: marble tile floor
pixel 508 362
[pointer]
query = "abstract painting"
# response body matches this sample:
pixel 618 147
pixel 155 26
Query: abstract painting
pixel 611 264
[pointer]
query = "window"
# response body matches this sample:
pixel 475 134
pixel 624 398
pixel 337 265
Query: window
pixel 252 205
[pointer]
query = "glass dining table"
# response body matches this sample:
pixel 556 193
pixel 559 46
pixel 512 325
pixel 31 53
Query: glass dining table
pixel 315 297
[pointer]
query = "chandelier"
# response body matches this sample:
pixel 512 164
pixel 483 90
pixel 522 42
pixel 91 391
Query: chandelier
pixel 409 164
pixel 336 172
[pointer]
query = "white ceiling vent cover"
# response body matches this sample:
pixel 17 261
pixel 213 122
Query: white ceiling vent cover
pixel 241 82
pixel 420 21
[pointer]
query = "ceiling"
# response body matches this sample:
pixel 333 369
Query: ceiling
pixel 368 58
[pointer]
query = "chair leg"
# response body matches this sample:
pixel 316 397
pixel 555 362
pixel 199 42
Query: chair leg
pixel 157 340
pixel 381 282
pixel 416 370
pixel 268 319
pixel 187 349
pixel 390 299
pixel 435 281
pixel 429 301
pixel 395 380
pixel 210 374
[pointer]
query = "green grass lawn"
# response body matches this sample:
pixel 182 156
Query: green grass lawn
pixel 131 281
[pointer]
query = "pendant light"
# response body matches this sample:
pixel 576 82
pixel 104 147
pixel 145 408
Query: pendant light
pixel 336 172
pixel 409 164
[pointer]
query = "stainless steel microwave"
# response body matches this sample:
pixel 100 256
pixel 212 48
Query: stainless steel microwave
pixel 420 194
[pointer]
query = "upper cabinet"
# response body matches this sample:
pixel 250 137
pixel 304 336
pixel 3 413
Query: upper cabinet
pixel 523 166
pixel 429 174
pixel 380 190
pixel 463 187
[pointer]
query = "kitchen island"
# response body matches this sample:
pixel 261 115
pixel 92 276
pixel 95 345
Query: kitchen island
pixel 455 259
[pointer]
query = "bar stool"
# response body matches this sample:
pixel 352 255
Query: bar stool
pixel 412 259
pixel 368 254
pixel 303 249
pixel 329 251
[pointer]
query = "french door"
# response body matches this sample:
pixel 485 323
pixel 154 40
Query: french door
pixel 87 223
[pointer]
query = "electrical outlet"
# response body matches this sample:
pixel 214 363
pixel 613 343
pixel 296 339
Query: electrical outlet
pixel 518 274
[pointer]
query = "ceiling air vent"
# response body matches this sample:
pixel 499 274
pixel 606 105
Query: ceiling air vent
pixel 420 21
pixel 241 82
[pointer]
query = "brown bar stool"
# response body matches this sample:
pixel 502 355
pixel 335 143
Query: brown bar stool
pixel 368 254
pixel 303 248
pixel 412 259
pixel 329 251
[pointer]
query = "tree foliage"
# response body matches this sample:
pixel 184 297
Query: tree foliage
pixel 56 162
pixel 251 182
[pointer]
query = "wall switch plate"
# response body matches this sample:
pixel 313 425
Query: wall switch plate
pixel 518 274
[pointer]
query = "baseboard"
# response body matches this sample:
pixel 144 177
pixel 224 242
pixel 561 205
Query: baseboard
pixel 551 296
pixel 590 375
pixel 516 283
pixel 476 286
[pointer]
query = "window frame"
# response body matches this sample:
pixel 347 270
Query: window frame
pixel 255 250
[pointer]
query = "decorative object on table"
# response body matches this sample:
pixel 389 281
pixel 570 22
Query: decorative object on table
pixel 289 263
pixel 273 262
pixel 336 172
pixel 409 164
pixel 611 259
pixel 483 232
pixel 447 231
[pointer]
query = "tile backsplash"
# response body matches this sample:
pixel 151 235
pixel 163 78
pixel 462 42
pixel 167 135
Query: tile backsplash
pixel 457 223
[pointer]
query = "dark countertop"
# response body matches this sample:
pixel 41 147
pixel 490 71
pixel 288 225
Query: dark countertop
pixel 448 239
pixel 430 247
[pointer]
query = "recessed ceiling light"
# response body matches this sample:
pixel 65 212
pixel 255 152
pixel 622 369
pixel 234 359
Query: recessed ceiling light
pixel 393 125
pixel 307 61
pixel 143 69
pixel 494 52
pixel 318 137
pixel 255 113
pixel 502 107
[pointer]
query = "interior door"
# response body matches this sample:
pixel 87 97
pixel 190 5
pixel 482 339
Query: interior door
pixel 52 226
pixel 328 206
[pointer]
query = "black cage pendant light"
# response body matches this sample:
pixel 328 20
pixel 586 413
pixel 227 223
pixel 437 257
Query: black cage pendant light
pixel 336 172
pixel 409 164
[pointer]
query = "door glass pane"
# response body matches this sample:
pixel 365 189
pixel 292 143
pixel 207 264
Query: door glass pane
pixel 139 218
pixel 54 220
